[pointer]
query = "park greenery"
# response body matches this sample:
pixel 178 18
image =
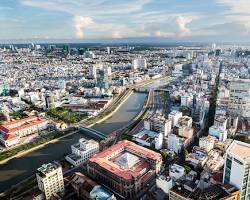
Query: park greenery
pixel 18 115
pixel 66 115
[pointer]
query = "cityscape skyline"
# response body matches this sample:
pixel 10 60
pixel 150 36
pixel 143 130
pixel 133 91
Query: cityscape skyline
pixel 116 21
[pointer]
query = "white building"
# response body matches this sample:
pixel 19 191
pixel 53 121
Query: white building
pixel 50 179
pixel 177 72
pixel 149 138
pixel 219 133
pixel 207 143
pixel 82 151
pixel 175 143
pixel 239 102
pixel 237 168
pixel 158 124
pixel 9 139
pixel 139 63
pixel 174 116
pixel 176 171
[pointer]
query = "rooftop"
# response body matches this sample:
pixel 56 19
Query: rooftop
pixel 124 160
pixel 47 168
pixel 240 149
pixel 13 126
pixel 99 192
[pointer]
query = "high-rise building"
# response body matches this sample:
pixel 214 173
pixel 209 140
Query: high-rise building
pixel 126 168
pixel 93 71
pixel 239 100
pixel 108 50
pixel 139 63
pixel 50 179
pixel 103 79
pixel 237 168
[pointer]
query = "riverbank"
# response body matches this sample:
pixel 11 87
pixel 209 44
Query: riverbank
pixel 26 151
pixel 22 153
pixel 130 92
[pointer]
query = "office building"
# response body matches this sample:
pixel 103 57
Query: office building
pixel 237 168
pixel 126 168
pixel 50 179
pixel 82 151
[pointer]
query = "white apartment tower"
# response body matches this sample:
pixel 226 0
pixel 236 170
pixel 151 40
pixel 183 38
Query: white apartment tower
pixel 50 179
pixel 237 168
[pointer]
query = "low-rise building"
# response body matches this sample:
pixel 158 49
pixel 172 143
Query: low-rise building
pixel 126 168
pixel 24 127
pixel 149 139
pixel 82 151
pixel 207 143
pixel 176 171
pixel 8 140
pixel 219 133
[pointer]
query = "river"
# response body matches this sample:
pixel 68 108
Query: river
pixel 23 167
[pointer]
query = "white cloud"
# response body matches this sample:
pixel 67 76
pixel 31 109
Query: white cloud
pixel 182 23
pixel 80 23
pixel 237 11
pixel 159 33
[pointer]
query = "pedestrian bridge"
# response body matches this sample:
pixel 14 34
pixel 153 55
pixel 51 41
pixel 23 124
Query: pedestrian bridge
pixel 93 133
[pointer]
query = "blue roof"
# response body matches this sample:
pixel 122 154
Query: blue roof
pixel 100 193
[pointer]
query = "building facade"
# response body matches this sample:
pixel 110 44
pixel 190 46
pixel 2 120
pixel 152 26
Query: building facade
pixel 237 168
pixel 50 179
pixel 24 127
pixel 82 151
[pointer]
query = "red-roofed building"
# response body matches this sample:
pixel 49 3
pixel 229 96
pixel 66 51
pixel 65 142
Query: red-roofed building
pixel 9 139
pixel 23 127
pixel 126 168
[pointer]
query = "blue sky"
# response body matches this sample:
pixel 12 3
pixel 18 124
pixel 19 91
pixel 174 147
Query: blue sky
pixel 176 20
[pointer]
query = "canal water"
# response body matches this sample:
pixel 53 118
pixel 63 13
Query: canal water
pixel 23 167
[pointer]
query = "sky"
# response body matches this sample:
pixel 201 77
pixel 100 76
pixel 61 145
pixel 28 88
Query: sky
pixel 96 20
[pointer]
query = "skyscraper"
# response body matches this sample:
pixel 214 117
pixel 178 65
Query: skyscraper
pixel 237 168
